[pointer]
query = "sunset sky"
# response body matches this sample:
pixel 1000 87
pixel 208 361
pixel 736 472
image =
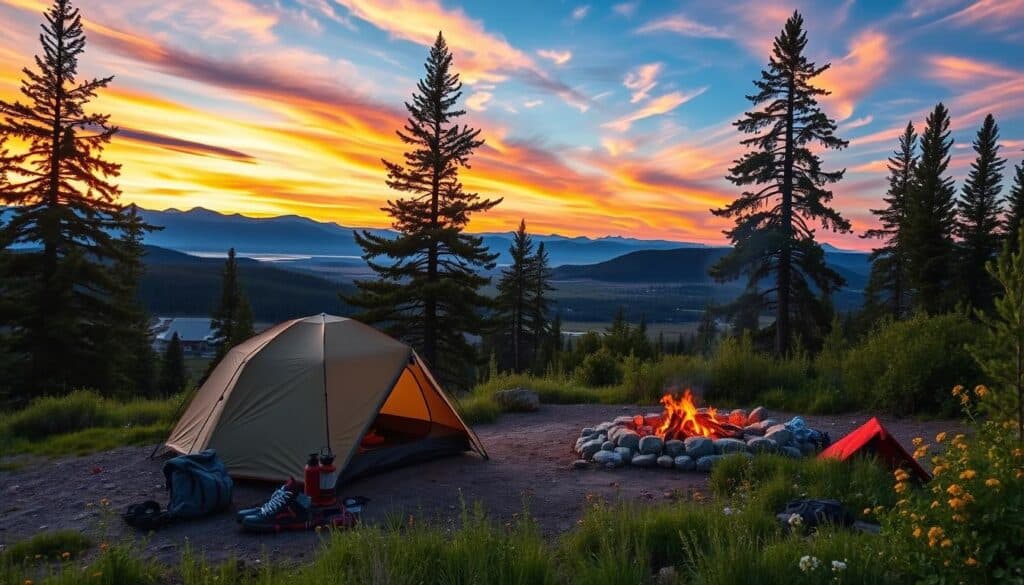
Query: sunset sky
pixel 600 118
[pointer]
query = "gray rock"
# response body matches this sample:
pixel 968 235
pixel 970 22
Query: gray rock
pixel 726 446
pixel 590 447
pixel 629 440
pixel 580 464
pixel 706 463
pixel 651 445
pixel 780 434
pixel 608 446
pixel 753 430
pixel 623 420
pixel 626 454
pixel 674 448
pixel 685 463
pixel 698 447
pixel 666 461
pixel 791 451
pixel 608 457
pixel 603 427
pixel 518 399
pixel 757 415
pixel 762 445
pixel 644 460
pixel 588 432
pixel 768 422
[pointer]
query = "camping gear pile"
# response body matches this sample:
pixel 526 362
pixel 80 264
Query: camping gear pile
pixel 198 486
pixel 687 438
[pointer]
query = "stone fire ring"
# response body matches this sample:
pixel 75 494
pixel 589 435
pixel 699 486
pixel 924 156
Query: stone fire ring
pixel 623 442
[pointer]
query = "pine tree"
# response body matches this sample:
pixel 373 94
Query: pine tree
pixel 232 320
pixel 931 219
pixel 1015 207
pixel 980 216
pixel 888 278
pixel 514 300
pixel 428 293
pixel 65 210
pixel 173 378
pixel 1000 350
pixel 132 360
pixel 539 301
pixel 773 236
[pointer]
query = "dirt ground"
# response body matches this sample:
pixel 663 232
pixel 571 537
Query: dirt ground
pixel 530 465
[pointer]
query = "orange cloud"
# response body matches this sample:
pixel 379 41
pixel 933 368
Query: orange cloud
pixel 857 73
pixel 655 107
pixel 556 57
pixel 642 80
pixel 992 15
pixel 962 70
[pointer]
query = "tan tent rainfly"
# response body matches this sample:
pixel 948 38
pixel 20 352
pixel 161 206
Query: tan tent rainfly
pixel 321 381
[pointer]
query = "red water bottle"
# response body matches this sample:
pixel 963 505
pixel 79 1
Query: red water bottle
pixel 311 477
pixel 328 480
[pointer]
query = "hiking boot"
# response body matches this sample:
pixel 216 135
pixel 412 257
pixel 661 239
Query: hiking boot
pixel 290 486
pixel 289 510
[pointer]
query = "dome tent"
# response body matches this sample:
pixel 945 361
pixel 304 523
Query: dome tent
pixel 315 382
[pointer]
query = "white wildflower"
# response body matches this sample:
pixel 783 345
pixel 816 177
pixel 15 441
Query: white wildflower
pixel 795 520
pixel 808 563
pixel 728 511
pixel 838 566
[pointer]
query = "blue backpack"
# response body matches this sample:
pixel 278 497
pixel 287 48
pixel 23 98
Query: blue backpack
pixel 199 485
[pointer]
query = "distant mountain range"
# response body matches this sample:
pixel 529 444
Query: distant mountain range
pixel 202 230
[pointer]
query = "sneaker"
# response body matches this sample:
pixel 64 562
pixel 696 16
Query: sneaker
pixel 287 510
pixel 276 499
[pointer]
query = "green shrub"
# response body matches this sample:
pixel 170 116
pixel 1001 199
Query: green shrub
pixel 738 373
pixel 908 366
pixel 478 408
pixel 47 547
pixel 600 368
pixel 52 415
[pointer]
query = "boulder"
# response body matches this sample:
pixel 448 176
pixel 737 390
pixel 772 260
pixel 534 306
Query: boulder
pixel 666 461
pixel 726 446
pixel 588 432
pixel 757 415
pixel 623 420
pixel 779 433
pixel 762 445
pixel 603 427
pixel 651 445
pixel 608 458
pixel 517 399
pixel 629 440
pixel 706 463
pixel 738 417
pixel 698 447
pixel 590 447
pixel 685 463
pixel 644 460
pixel 791 451
pixel 608 446
pixel 580 464
pixel 753 430
pixel 626 454
pixel 674 448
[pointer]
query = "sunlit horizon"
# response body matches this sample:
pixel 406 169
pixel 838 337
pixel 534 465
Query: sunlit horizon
pixel 601 119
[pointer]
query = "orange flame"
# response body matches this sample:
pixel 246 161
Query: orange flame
pixel 682 418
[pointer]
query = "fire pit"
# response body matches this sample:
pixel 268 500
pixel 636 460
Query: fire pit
pixel 686 438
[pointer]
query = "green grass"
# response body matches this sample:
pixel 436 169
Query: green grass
pixel 84 422
pixel 46 547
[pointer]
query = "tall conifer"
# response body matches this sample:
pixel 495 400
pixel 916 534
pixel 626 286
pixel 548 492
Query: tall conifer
pixel 66 213
pixel 773 236
pixel 1015 207
pixel 514 301
pixel 540 302
pixel 931 219
pixel 232 320
pixel 887 285
pixel 173 377
pixel 428 286
pixel 980 216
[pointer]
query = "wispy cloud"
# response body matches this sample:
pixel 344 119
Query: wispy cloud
pixel 991 15
pixel 857 73
pixel 479 100
pixel 580 12
pixel 642 80
pixel 555 56
pixel 626 9
pixel 532 103
pixel 654 107
pixel 681 25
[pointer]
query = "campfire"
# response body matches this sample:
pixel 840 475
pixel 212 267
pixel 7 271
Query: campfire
pixel 685 436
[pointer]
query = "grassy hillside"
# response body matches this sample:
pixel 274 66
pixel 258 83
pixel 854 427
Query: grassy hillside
pixel 179 284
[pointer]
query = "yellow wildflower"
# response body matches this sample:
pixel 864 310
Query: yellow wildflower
pixel 935 504
pixel 992 482
pixel 104 502
pixel 900 487
pixel 970 562
pixel 936 532
pixel 940 437
pixel 946 543
pixel 917 441
pixel 920 451
pixel 959 438
pixel 968 474
pixel 917 532
pixel 29 582
pixel 956 503
pixel 980 390
pixel 65 555
pixel 954 490
pixel 1018 452
pixel 938 469
pixel 957 390
pixel 958 518
pixel 867 511
pixel 901 475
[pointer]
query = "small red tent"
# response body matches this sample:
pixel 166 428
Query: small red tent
pixel 872 438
